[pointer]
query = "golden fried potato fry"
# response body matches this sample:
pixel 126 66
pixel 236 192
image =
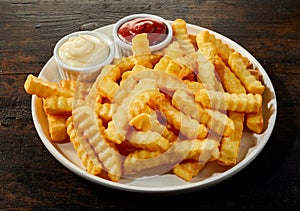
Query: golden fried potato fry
pixel 255 122
pixel 140 160
pixel 212 119
pixel 87 121
pixel 223 49
pixel 139 103
pixel 232 84
pixel 148 140
pixel 149 122
pixel 239 67
pixel 177 69
pixel 57 105
pixel 208 50
pixel 173 67
pixel 93 166
pixel 111 71
pixel 104 111
pixel 230 146
pixel 229 80
pixel 112 134
pixel 108 88
pixel 163 63
pixel 76 86
pixel 142 122
pixel 194 86
pixel 206 73
pixel 174 50
pixel 248 103
pixel 106 81
pixel 57 128
pixel 188 169
pixel 125 63
pixel 255 73
pixel 203 150
pixel 182 36
pixel 135 69
pixel 129 102
pixel 43 88
pixel 68 84
pixel 141 50
pixel 178 119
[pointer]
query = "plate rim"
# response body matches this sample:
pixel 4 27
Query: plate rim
pixel 188 186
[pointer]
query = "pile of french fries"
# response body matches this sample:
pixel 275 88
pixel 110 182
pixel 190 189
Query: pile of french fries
pixel 180 108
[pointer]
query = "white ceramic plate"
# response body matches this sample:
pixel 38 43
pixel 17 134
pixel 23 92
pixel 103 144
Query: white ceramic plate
pixel 251 144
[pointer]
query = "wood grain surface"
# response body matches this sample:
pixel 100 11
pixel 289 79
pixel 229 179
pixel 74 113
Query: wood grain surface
pixel 32 179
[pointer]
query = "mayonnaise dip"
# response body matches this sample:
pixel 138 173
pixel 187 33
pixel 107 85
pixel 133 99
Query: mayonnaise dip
pixel 83 51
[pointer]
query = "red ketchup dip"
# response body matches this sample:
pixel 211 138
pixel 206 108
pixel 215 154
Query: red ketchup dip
pixel 157 31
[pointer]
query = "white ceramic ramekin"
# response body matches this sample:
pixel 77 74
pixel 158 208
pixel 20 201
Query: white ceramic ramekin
pixel 71 73
pixel 124 49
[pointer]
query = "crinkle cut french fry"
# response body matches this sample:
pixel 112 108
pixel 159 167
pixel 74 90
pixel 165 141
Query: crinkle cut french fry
pixel 213 119
pixel 76 86
pixel 238 66
pixel 229 80
pixel 43 89
pixel 230 146
pixel 194 86
pixel 140 160
pixel 163 63
pixel 148 140
pixel 166 82
pixel 104 111
pixel 208 50
pixel 57 128
pixel 182 36
pixel 203 150
pixel 248 103
pixel 125 63
pixel 135 69
pixel 113 134
pixel 139 104
pixel 108 88
pixel 87 122
pixel 223 49
pixel 255 73
pixel 188 169
pixel 68 84
pixel 206 73
pixel 57 105
pixel 106 81
pixel 174 50
pixel 141 50
pixel 188 63
pixel 111 71
pixel 172 67
pixel 255 122
pixel 147 122
pixel 92 167
pixel 131 90
pixel 178 119
pixel 142 122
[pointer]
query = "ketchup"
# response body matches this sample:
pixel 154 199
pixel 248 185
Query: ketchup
pixel 156 30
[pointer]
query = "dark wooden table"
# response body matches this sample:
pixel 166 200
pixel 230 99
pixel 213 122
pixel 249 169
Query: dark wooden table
pixel 31 178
